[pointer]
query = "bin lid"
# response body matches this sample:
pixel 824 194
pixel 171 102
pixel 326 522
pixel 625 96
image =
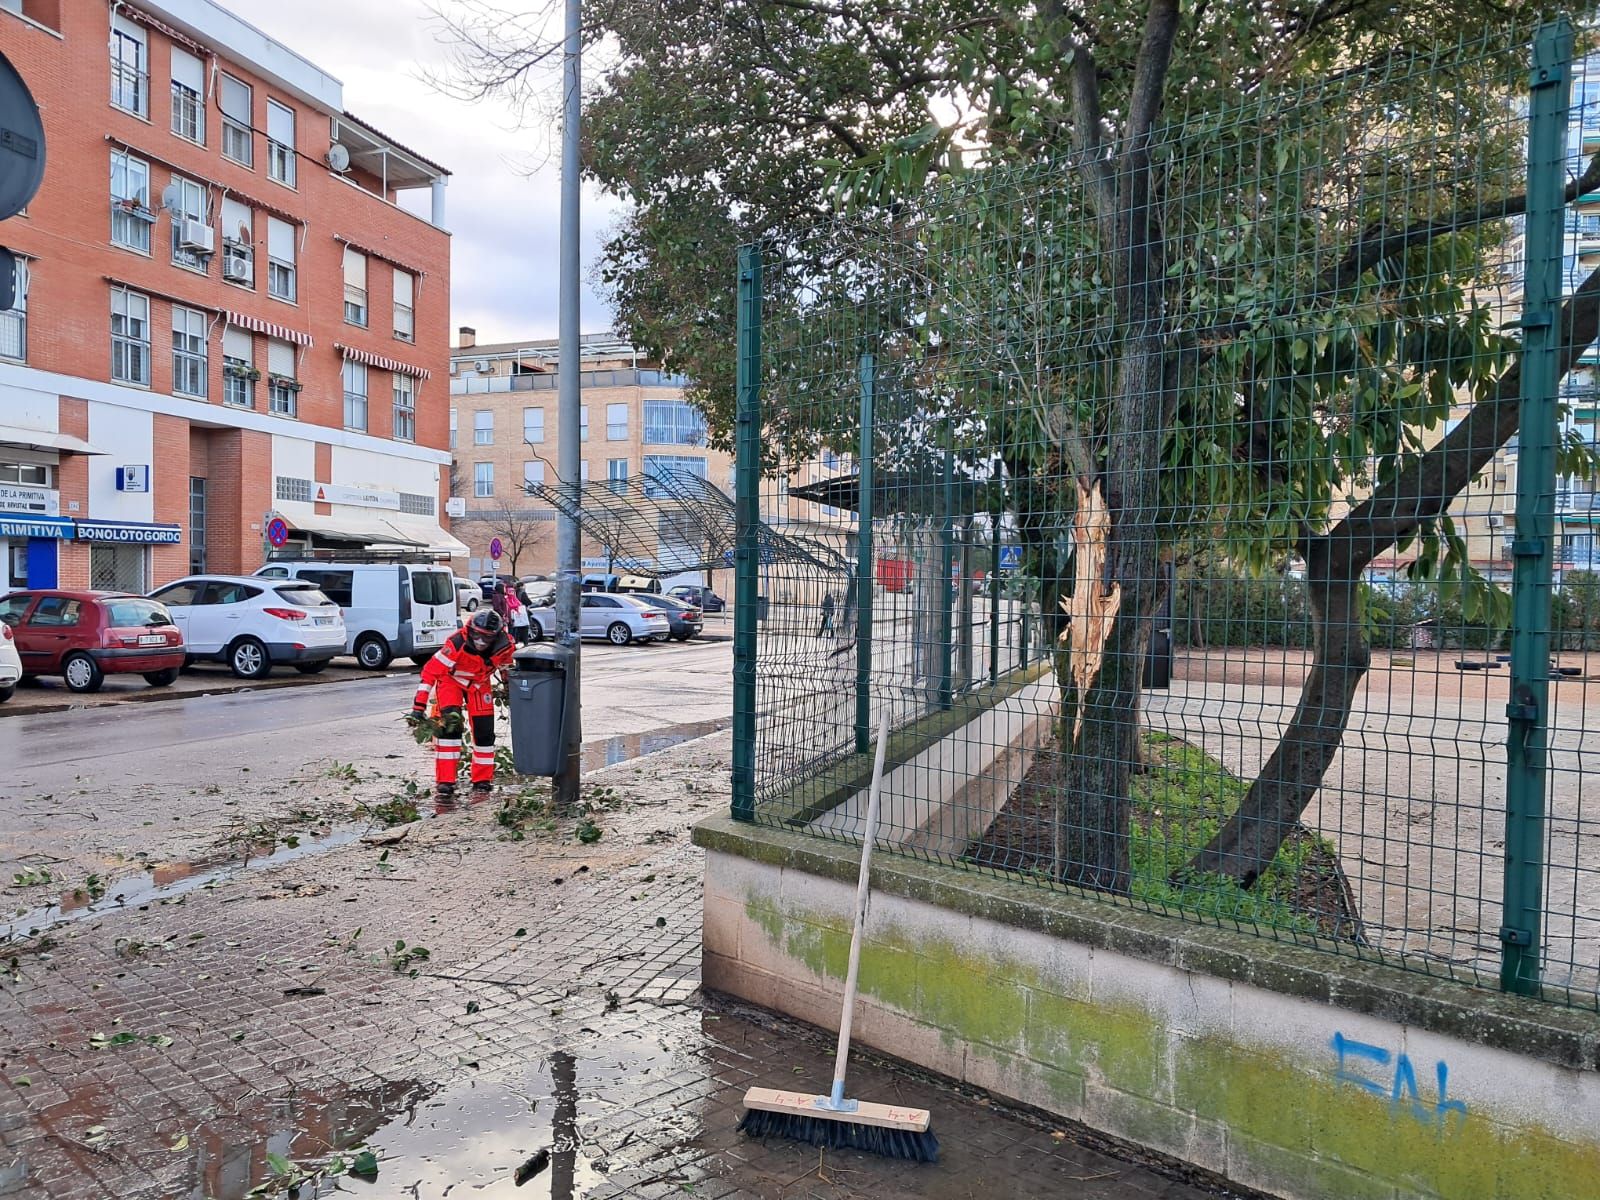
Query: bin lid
pixel 546 656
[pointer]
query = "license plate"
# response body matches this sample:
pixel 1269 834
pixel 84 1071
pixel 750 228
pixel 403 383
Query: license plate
pixel 152 639
pixel 322 620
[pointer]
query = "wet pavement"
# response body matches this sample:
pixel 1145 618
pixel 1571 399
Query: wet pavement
pixel 459 1010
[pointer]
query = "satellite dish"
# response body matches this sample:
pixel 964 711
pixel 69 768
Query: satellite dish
pixel 21 143
pixel 338 158
pixel 172 198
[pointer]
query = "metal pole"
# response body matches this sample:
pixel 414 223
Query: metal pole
pixel 747 533
pixel 994 597
pixel 947 565
pixel 564 789
pixel 864 564
pixel 1527 715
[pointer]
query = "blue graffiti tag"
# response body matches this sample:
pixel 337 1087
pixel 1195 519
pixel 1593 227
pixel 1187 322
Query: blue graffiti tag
pixel 1403 1088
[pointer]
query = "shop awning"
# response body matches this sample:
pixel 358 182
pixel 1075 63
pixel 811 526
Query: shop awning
pixel 420 535
pixel 31 525
pixel 379 361
pixel 38 439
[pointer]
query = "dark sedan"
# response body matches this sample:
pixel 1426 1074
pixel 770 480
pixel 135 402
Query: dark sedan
pixel 702 598
pixel 684 618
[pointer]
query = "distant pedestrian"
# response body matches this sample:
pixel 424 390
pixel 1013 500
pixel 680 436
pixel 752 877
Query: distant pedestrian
pixel 517 602
pixel 826 628
pixel 500 603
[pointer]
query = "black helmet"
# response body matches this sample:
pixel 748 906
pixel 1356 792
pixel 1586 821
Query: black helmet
pixel 484 628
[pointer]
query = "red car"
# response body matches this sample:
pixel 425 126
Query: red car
pixel 85 636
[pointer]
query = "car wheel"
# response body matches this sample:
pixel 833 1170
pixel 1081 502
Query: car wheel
pixel 422 659
pixel 619 634
pixel 535 631
pixel 373 653
pixel 162 678
pixel 681 637
pixel 248 659
pixel 82 673
pixel 472 606
pixel 7 690
pixel 311 668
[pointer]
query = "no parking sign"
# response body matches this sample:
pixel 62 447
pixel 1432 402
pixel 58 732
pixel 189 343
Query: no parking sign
pixel 277 531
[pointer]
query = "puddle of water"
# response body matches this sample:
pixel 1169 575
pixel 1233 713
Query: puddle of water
pixel 611 751
pixel 165 882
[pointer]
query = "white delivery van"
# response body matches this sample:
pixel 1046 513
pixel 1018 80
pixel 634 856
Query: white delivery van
pixel 390 607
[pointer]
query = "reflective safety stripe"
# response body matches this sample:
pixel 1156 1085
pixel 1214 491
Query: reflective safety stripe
pixel 450 743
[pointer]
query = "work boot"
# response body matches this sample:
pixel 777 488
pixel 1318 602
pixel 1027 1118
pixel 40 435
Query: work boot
pixel 444 797
pixel 481 789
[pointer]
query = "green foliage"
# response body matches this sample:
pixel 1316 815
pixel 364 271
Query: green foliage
pixel 401 810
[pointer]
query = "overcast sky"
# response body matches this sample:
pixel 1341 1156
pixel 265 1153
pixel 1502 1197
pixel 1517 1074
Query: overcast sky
pixel 503 200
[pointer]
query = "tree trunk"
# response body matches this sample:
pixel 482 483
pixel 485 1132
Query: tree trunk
pixel 1246 844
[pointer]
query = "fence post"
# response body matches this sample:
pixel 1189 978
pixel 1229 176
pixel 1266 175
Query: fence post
pixel 1527 715
pixel 864 564
pixel 947 565
pixel 994 597
pixel 747 533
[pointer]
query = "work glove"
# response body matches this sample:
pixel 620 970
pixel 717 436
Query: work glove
pixel 417 714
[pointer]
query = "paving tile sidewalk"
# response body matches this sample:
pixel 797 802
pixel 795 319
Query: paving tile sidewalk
pixel 167 1051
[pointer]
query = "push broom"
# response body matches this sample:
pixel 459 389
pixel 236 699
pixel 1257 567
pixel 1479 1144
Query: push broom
pixel 833 1121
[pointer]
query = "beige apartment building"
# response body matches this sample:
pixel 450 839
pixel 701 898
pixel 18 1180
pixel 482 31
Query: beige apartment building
pixel 505 432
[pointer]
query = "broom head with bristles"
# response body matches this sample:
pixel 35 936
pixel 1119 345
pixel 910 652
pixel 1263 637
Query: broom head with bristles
pixel 885 1129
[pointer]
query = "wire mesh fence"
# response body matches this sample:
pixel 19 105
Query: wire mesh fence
pixel 1216 525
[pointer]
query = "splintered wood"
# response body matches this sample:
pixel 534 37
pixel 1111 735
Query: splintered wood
pixel 1092 608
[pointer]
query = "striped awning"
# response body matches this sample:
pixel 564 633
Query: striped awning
pixel 382 363
pixel 257 325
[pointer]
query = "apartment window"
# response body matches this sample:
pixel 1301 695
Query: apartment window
pixel 355 287
pixel 131 217
pixel 188 351
pixel 405 408
pixel 280 259
pixel 583 423
pixel 616 422
pixel 673 423
pixel 37 474
pixel 238 242
pixel 455 421
pixel 235 99
pixel 14 320
pixel 355 395
pixel 662 470
pixel 130 336
pixel 283 389
pixel 583 471
pixel 188 96
pixel 197 524
pixel 405 317
pixel 532 474
pixel 617 475
pixel 287 487
pixel 483 479
pixel 533 425
pixel 190 232
pixel 238 365
pixel 280 142
pixel 483 428
pixel 130 76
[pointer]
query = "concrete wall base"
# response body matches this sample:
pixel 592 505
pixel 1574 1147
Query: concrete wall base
pixel 1296 1072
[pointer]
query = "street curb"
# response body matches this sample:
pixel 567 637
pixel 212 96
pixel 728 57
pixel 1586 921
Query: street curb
pixel 156 695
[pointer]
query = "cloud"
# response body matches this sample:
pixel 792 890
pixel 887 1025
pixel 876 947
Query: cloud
pixel 503 202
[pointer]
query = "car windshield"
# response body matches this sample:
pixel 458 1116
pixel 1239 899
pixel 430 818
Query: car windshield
pixel 305 593
pixel 433 587
pixel 125 614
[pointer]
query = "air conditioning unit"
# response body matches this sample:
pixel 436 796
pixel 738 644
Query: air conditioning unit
pixel 197 235
pixel 236 263
pixel 454 366
pixel 1496 520
pixel 481 366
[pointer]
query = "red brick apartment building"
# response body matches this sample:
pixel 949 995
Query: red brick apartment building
pixel 225 318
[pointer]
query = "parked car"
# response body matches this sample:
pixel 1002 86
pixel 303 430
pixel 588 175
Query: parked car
pixel 683 618
pixel 390 607
pixel 10 662
pixel 621 619
pixel 254 624
pixel 468 595
pixel 85 636
pixel 702 597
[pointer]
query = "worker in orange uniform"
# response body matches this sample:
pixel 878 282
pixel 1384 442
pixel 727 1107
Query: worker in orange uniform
pixel 461 675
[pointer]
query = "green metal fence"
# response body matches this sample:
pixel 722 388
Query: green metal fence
pixel 1215 528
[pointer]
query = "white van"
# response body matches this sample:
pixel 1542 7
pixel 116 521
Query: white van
pixel 390 608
